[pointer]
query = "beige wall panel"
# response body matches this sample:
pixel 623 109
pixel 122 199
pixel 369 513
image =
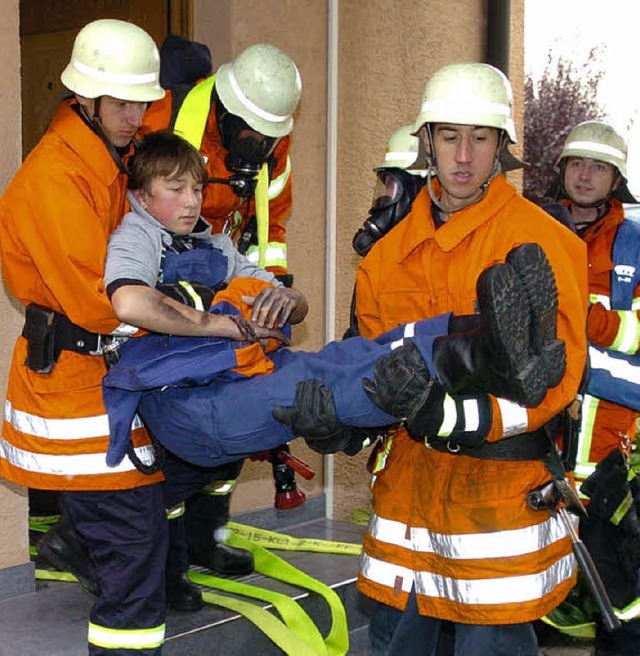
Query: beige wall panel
pixel 299 29
pixel 13 500
pixel 387 53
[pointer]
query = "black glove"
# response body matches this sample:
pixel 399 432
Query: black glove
pixel 402 382
pixel 349 440
pixel 313 413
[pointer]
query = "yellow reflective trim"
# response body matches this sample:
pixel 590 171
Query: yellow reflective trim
pixel 262 212
pixel 191 120
pixel 193 295
pixel 176 511
pixel 102 636
pixel 600 298
pixel 275 255
pixel 626 341
pixel 277 184
pixel 220 488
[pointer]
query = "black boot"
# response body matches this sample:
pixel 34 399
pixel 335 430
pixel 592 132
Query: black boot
pixel 513 353
pixel 182 594
pixel 223 560
pixel 62 548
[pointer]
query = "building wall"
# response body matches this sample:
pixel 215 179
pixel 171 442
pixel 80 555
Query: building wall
pixel 13 500
pixel 386 52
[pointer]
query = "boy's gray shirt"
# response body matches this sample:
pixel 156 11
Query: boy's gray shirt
pixel 136 247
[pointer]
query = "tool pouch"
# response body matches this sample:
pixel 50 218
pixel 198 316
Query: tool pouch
pixel 39 331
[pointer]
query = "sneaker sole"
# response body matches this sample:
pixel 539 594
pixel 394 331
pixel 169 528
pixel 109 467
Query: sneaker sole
pixel 503 305
pixel 539 284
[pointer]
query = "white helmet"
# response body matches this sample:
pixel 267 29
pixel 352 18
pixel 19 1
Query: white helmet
pixel 114 58
pixel 263 87
pixel 402 150
pixel 597 140
pixel 469 94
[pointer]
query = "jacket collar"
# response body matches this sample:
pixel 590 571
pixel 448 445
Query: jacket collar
pixel 420 225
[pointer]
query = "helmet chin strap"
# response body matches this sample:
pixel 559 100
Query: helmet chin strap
pixel 478 196
pixel 95 125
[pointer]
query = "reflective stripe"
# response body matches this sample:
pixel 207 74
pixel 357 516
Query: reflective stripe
pixel 454 109
pixel 220 488
pixel 193 295
pixel 501 590
pixel 277 184
pixel 471 415
pixel 598 148
pixel 191 120
pixel 617 367
pixel 629 612
pixel 386 573
pixel 275 254
pixel 635 304
pixel 70 465
pixel 600 298
pixel 410 330
pixel 101 636
pixel 251 106
pixel 499 544
pixel 626 341
pixel 115 78
pixel 393 156
pixel 78 428
pixel 482 592
pixel 450 417
pixel 514 418
pixel 584 466
pixel 176 511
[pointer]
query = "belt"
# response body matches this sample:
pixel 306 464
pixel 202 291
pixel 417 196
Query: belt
pixel 528 446
pixel 71 337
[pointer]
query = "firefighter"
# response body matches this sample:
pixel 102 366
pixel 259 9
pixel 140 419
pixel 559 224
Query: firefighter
pixel 56 215
pixel 451 536
pixel 592 185
pixel 240 119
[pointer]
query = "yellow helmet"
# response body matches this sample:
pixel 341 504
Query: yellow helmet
pixel 263 87
pixel 469 94
pixel 597 140
pixel 114 58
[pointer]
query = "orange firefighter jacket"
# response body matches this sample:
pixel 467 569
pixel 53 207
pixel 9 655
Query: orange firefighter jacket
pixel 458 528
pixel 55 219
pixel 606 425
pixel 225 211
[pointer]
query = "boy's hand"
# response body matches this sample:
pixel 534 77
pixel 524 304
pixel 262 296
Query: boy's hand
pixel 274 306
pixel 248 331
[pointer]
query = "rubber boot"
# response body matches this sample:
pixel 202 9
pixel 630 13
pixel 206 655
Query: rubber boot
pixel 511 352
pixel 539 284
pixel 182 594
pixel 62 548
pixel 206 517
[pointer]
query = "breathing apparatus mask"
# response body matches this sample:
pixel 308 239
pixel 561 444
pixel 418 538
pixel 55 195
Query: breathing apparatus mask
pixel 247 150
pixel 394 193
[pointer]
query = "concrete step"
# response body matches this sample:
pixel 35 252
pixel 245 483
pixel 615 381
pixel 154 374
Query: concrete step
pixel 53 620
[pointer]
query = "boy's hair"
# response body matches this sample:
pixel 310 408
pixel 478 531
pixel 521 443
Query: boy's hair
pixel 164 154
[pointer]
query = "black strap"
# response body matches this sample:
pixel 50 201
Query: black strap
pixel 70 337
pixel 528 446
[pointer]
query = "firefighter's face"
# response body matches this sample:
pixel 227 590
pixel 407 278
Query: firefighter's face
pixel 119 119
pixel 173 201
pixel 588 181
pixel 465 156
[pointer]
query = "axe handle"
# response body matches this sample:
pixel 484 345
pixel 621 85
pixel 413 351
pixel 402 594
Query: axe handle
pixel 590 573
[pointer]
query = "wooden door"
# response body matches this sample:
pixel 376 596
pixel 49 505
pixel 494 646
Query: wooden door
pixel 47 32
